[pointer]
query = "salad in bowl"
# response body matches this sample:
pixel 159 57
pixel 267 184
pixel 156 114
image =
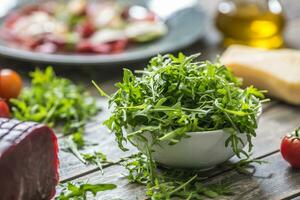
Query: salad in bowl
pixel 185 113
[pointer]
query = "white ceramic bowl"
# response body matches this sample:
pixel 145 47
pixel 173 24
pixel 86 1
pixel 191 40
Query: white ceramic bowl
pixel 202 150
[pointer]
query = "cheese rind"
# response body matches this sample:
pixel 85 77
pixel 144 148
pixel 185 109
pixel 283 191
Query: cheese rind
pixel 277 71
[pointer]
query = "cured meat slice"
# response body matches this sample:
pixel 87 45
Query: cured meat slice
pixel 28 161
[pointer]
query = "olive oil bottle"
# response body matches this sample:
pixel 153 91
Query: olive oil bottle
pixel 257 23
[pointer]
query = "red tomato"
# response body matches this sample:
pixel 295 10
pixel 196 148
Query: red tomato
pixel 84 47
pixel 4 109
pixel 103 48
pixel 290 148
pixel 11 19
pixel 10 84
pixel 86 29
pixel 119 46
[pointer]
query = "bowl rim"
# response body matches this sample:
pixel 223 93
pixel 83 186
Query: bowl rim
pixel 217 131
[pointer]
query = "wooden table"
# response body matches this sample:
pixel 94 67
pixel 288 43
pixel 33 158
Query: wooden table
pixel 274 180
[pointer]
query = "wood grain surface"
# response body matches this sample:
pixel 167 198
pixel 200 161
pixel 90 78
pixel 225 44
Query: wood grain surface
pixel 274 180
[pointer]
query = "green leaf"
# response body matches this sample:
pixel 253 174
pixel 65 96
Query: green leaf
pixel 55 101
pixel 172 134
pixel 98 187
pixel 173 96
pixel 78 191
pixel 101 92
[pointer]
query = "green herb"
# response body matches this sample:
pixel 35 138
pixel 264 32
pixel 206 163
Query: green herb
pixel 170 183
pixel 296 133
pixel 79 191
pixel 95 158
pixel 245 166
pixel 173 96
pixel 55 101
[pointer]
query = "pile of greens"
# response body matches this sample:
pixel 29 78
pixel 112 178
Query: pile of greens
pixel 55 101
pixel 163 184
pixel 174 96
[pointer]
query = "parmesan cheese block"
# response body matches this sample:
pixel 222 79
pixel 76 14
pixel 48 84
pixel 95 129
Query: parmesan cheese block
pixel 277 71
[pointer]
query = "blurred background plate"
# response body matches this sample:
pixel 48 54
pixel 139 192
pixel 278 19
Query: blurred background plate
pixel 180 19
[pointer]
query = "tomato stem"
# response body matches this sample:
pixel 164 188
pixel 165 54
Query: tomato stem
pixel 297 133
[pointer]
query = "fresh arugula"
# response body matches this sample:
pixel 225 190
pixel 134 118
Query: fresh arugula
pixel 174 96
pixel 245 166
pixel 96 158
pixel 55 101
pixel 70 146
pixel 168 183
pixel 79 191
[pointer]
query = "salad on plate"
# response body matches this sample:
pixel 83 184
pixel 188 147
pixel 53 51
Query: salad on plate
pixel 81 26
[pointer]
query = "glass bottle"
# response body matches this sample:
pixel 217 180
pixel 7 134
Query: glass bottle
pixel 257 23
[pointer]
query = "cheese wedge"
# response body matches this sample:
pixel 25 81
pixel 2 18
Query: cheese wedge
pixel 277 71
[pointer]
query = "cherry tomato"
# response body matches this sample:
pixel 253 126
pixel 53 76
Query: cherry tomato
pixel 4 109
pixel 290 148
pixel 10 84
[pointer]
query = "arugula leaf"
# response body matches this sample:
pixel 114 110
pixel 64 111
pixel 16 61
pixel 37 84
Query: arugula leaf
pixel 79 191
pixel 173 96
pixel 71 147
pixel 180 95
pixel 95 158
pixel 55 101
pixel 169 183
pixel 245 166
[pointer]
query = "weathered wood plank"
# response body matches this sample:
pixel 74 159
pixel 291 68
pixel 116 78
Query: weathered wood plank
pixel 116 175
pixel 71 167
pixel 269 132
pixel 275 180
pixel 95 132
pixel 296 197
pixel 273 124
